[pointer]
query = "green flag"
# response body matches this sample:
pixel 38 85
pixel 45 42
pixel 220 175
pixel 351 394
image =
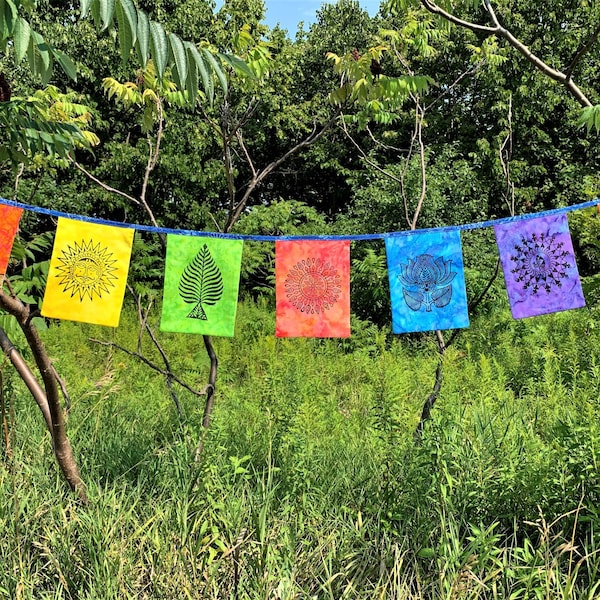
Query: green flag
pixel 202 277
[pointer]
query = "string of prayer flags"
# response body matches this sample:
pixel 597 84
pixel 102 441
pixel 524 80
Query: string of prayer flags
pixel 9 223
pixel 539 266
pixel 202 277
pixel 312 288
pixel 88 272
pixel 427 281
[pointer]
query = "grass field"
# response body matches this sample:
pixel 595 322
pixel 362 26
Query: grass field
pixel 310 484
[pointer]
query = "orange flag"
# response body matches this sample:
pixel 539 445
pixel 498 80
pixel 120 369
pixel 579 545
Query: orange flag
pixel 88 272
pixel 9 222
pixel 312 285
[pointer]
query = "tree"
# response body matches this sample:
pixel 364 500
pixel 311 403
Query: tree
pixel 570 33
pixel 190 66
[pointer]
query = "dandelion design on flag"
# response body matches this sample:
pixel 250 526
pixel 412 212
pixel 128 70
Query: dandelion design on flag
pixel 313 285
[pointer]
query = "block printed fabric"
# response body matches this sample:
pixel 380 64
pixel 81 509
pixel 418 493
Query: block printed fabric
pixel 9 223
pixel 539 266
pixel 427 281
pixel 88 272
pixel 312 287
pixel 202 277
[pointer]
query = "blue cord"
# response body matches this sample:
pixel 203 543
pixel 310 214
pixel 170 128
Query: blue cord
pixel 274 238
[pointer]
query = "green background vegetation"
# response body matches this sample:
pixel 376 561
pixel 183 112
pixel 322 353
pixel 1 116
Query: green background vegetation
pixel 310 483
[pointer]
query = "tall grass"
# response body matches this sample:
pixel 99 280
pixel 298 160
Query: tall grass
pixel 310 484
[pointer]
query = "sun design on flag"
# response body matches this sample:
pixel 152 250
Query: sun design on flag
pixel 313 285
pixel 86 270
pixel 540 262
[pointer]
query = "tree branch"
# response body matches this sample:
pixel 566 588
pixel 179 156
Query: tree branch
pixel 103 185
pixel 500 31
pixel 581 52
pixel 238 208
pixel 150 364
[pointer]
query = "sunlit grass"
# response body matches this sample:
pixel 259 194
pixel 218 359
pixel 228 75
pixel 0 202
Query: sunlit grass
pixel 310 484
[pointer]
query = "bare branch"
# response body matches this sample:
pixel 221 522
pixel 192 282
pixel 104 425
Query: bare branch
pixel 419 118
pixel 432 7
pixel 150 364
pixel 581 52
pixel 27 376
pixel 238 208
pixel 18 178
pixel 366 158
pixel 240 139
pixel 103 185
pixel 500 31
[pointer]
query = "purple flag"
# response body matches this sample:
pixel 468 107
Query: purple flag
pixel 539 266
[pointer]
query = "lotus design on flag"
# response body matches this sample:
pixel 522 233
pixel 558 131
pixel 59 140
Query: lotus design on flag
pixel 427 282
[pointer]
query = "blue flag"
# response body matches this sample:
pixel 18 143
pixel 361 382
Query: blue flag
pixel 427 281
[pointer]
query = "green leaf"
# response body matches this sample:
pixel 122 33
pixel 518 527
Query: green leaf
pixel 127 22
pixel 207 82
pixel 192 73
pixel 126 34
pixel 95 10
pixel 216 68
pixel 84 7
pixel 590 118
pixel 8 17
pixel 143 37
pixel 238 65
pixel 159 47
pixel 66 64
pixel 179 54
pixel 21 38
pixel 107 10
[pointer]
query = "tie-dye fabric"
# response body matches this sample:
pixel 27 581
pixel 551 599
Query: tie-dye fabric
pixel 202 277
pixel 539 266
pixel 9 223
pixel 312 285
pixel 88 272
pixel 427 282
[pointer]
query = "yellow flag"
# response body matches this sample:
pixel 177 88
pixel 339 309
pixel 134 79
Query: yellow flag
pixel 88 272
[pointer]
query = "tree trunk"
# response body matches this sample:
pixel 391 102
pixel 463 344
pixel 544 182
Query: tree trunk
pixel 62 446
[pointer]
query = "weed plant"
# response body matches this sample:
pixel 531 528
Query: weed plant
pixel 311 484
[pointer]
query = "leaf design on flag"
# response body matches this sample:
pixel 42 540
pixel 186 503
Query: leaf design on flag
pixel 201 283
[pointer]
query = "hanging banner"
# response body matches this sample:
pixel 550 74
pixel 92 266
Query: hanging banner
pixel 88 272
pixel 202 278
pixel 9 223
pixel 539 266
pixel 427 281
pixel 312 288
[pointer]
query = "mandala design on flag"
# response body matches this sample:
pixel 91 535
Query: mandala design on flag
pixel 86 270
pixel 201 283
pixel 313 285
pixel 427 282
pixel 540 262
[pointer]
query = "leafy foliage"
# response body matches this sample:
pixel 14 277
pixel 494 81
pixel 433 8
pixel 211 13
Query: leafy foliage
pixel 149 40
pixel 148 92
pixel 284 217
pixel 47 123
pixel 310 474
